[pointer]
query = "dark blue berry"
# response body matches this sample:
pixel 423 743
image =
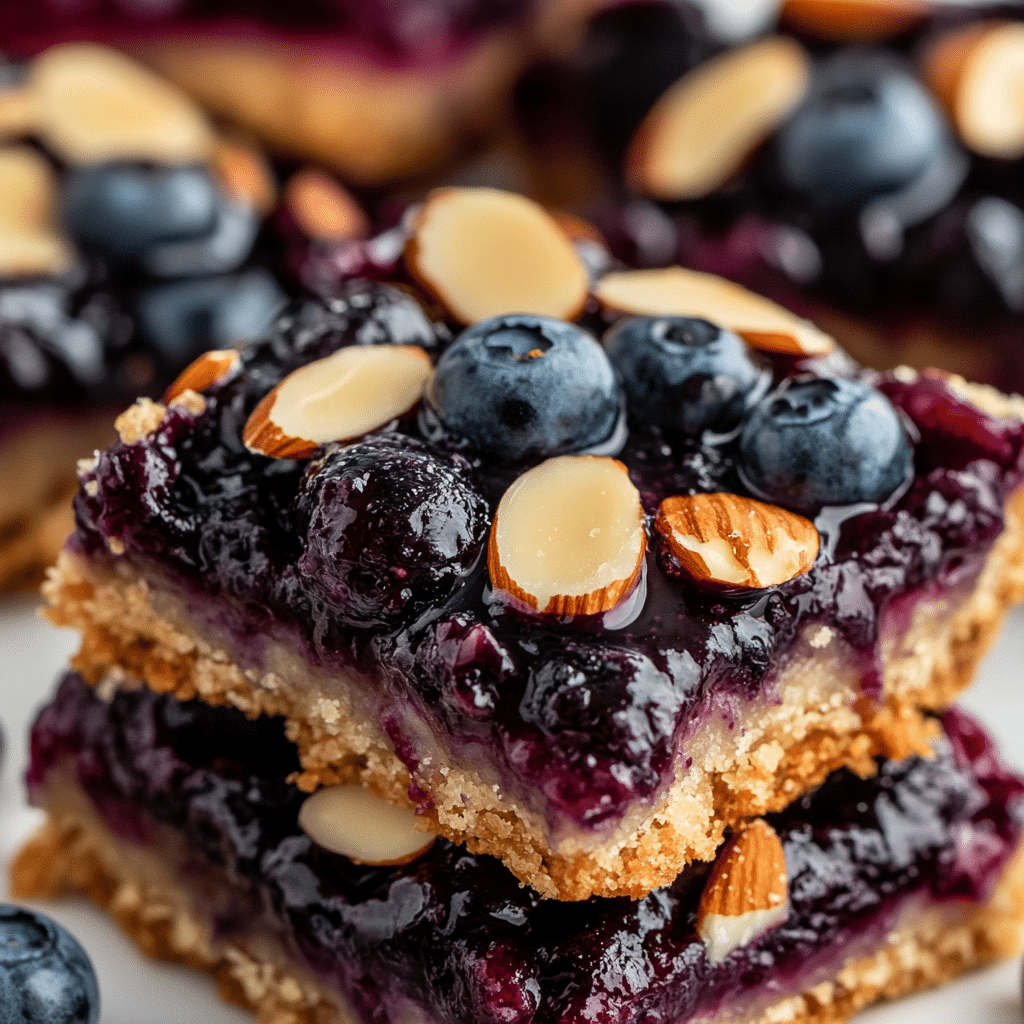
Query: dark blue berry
pixel 521 386
pixel 867 128
pixel 390 528
pixel 45 975
pixel 182 318
pixel 817 441
pixel 683 374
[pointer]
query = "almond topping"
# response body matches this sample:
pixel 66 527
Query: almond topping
pixel 706 125
pixel 210 368
pixel 352 821
pixel 246 175
pixel 568 537
pixel 978 73
pixel 345 395
pixel 484 252
pixel 322 208
pixel 728 540
pixel 746 893
pixel 854 19
pixel 93 104
pixel 675 291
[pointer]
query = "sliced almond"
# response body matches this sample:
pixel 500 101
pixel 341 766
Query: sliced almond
pixel 863 20
pixel 484 252
pixel 728 540
pixel 701 131
pixel 352 821
pixel 17 113
pixel 94 104
pixel 568 537
pixel 345 395
pixel 978 73
pixel 675 291
pixel 322 207
pixel 245 174
pixel 746 893
pixel 210 368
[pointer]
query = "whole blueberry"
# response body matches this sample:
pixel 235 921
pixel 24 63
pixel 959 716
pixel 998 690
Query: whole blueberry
pixel 45 975
pixel 522 386
pixel 867 128
pixel 681 373
pixel 820 441
pixel 390 528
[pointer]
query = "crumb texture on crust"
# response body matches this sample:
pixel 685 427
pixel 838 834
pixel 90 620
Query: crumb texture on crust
pixel 73 852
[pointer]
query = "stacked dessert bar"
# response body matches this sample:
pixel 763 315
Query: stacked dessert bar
pixel 441 662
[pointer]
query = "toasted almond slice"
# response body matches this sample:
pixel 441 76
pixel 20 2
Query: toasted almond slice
pixel 246 175
pixel 978 73
pixel 746 892
pixel 863 20
pixel 675 291
pixel 704 127
pixel 484 252
pixel 345 395
pixel 17 113
pixel 352 821
pixel 568 537
pixel 94 104
pixel 732 541
pixel 322 207
pixel 210 368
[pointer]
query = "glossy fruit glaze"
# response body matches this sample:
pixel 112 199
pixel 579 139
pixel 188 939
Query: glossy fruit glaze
pixel 588 712
pixel 455 937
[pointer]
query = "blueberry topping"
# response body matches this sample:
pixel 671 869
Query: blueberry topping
pixel 521 386
pixel 819 441
pixel 683 374
pixel 45 975
pixel 867 128
pixel 391 528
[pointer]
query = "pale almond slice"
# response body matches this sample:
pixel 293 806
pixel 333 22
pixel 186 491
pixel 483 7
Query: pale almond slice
pixel 978 73
pixel 746 892
pixel 94 104
pixel 352 821
pixel 702 129
pixel 862 20
pixel 322 207
pixel 245 174
pixel 484 253
pixel 731 541
pixel 676 291
pixel 352 392
pixel 210 368
pixel 568 537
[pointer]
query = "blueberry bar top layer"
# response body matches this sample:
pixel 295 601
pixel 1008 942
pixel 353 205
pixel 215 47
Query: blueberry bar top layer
pixel 371 557
pixel 456 936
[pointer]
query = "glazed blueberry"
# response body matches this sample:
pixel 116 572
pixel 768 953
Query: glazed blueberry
pixel 683 374
pixel 45 975
pixel 182 318
pixel 866 129
pixel 819 441
pixel 521 386
pixel 390 529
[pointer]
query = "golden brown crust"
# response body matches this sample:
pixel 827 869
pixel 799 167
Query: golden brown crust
pixel 74 852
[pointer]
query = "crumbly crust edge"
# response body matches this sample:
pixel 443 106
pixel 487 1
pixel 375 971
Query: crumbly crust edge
pixel 73 852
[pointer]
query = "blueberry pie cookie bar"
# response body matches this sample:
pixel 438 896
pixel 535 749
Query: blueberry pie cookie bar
pixel 178 818
pixel 583 605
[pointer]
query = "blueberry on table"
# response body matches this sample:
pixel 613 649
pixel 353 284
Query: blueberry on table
pixel 45 975
pixel 524 386
pixel 819 441
pixel 867 128
pixel 682 373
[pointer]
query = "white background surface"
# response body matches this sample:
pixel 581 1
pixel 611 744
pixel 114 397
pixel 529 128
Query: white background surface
pixel 138 991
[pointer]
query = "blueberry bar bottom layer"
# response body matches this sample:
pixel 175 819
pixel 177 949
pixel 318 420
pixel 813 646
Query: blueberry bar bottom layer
pixel 178 818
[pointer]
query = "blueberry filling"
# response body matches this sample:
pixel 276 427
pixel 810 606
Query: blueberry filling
pixel 336 559
pixel 455 935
